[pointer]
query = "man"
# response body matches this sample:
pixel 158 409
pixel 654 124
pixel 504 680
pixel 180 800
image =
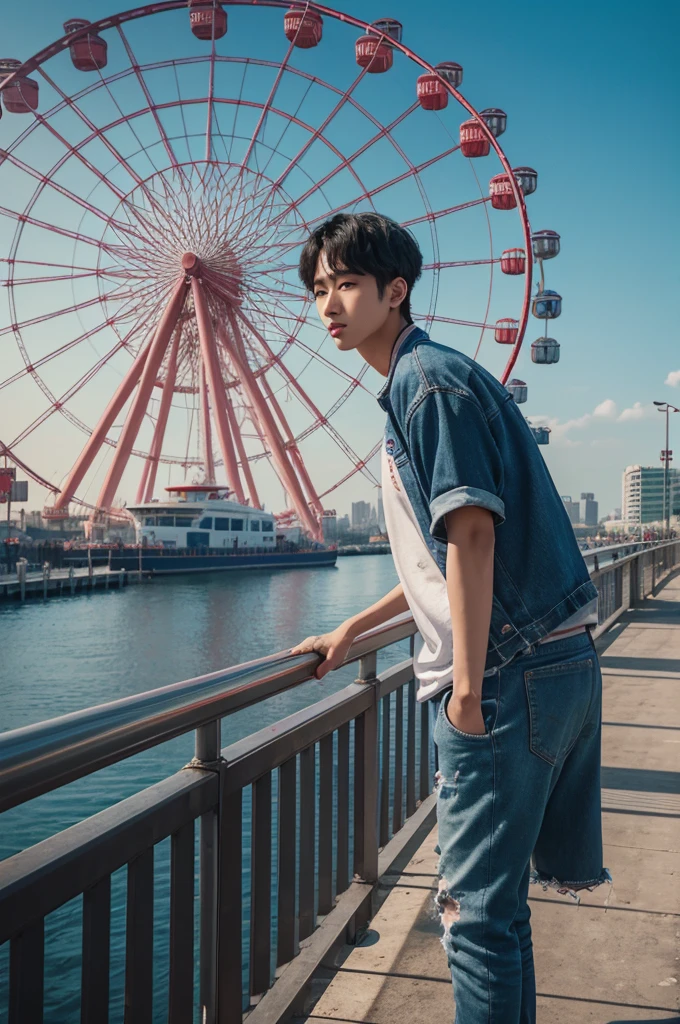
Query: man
pixel 489 567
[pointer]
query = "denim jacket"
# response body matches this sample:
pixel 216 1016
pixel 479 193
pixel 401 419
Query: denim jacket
pixel 458 438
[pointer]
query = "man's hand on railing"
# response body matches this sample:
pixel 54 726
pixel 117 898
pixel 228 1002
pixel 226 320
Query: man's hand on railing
pixel 333 647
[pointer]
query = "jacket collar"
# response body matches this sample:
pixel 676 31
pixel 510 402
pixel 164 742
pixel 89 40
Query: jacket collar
pixel 408 333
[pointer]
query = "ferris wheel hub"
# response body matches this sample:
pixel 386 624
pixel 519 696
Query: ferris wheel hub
pixel 190 263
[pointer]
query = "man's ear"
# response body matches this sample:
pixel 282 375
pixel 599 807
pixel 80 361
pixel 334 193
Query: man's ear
pixel 398 291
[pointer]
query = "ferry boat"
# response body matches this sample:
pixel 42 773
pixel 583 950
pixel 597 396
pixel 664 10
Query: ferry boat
pixel 199 529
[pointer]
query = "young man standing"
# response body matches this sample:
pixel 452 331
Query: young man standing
pixel 489 567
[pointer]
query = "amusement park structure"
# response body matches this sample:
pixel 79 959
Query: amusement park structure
pixel 149 233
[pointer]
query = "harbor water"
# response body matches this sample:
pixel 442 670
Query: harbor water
pixel 69 653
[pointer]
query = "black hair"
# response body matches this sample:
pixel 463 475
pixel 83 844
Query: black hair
pixel 364 243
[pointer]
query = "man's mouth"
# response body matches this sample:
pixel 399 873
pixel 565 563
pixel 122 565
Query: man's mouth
pixel 335 329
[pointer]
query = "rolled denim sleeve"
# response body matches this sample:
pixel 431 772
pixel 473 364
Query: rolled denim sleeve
pixel 455 457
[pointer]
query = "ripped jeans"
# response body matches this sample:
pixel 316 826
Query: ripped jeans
pixel 528 788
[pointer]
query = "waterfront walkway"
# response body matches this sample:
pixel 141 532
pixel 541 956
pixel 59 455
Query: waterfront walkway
pixel 614 958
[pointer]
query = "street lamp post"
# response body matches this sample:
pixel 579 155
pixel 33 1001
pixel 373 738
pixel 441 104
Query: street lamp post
pixel 666 459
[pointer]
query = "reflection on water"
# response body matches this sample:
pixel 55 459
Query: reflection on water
pixel 73 652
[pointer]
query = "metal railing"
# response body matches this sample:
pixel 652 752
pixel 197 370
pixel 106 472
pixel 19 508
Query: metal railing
pixel 326 789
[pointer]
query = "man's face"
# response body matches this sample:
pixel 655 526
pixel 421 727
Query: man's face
pixel 349 305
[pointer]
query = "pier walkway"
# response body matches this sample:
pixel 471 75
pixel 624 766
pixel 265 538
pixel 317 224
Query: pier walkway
pixel 616 956
pixel 56 582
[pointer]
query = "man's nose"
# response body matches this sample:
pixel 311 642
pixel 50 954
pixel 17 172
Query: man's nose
pixel 333 304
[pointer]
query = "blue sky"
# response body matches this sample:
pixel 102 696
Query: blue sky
pixel 592 103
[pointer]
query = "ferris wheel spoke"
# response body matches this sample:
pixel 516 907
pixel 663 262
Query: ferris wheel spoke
pixel 369 194
pixel 147 96
pixel 77 236
pixel 265 109
pixel 76 308
pixel 346 161
pixel 100 134
pixel 461 263
pixel 437 319
pixel 37 363
pixel 311 407
pixel 355 469
pixel 148 479
pixel 57 404
pixel 438 214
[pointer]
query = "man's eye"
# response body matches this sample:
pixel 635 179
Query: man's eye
pixel 347 284
pixel 318 295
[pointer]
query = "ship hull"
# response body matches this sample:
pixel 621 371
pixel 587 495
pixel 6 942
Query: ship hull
pixel 173 563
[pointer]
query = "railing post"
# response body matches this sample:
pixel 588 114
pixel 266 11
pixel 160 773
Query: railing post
pixel 21 577
pixel 46 577
pixel 207 756
pixel 366 778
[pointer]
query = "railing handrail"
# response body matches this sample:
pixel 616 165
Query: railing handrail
pixel 643 545
pixel 35 759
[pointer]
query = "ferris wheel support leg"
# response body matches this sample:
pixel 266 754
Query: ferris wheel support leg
pixel 294 451
pixel 148 481
pixel 245 465
pixel 216 386
pixel 206 429
pixel 98 435
pixel 276 446
pixel 133 420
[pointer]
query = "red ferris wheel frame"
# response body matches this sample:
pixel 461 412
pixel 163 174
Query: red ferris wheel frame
pixel 205 286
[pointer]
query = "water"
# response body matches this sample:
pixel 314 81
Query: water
pixel 74 652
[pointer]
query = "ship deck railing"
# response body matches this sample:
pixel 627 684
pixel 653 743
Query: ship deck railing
pixel 352 771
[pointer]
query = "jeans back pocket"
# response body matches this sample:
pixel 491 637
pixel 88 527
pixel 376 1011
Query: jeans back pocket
pixel 559 698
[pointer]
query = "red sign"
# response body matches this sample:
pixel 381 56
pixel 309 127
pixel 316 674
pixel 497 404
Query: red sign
pixel 6 481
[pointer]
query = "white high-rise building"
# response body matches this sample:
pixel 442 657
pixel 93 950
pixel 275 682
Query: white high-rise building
pixel 642 494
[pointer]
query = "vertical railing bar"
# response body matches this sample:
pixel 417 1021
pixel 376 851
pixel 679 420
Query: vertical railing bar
pixel 424 780
pixel 397 809
pixel 326 824
pixel 207 753
pixel 27 975
pixel 230 908
pixel 385 773
pixel 411 749
pixel 181 988
pixel 261 885
pixel 139 940
pixel 342 833
pixel 287 836
pixel 307 916
pixel 94 999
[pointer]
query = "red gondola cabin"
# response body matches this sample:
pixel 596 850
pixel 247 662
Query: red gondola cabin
pixel 303 27
pixel 502 193
pixel 208 20
pixel 506 331
pixel 513 261
pixel 88 51
pixel 473 141
pixel 22 96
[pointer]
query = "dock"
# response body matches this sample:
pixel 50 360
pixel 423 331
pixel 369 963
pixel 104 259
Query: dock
pixel 47 582
pixel 614 957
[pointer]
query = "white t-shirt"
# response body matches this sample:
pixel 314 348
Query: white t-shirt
pixel 426 593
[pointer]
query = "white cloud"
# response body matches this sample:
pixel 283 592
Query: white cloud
pixel 673 379
pixel 636 412
pixel 605 410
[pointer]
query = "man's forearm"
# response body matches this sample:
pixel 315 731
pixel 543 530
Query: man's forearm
pixel 469 582
pixel 386 608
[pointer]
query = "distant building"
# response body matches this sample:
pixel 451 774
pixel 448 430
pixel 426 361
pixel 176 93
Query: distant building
pixel 343 524
pixel 573 509
pixel 588 512
pixel 361 514
pixel 329 524
pixel 381 516
pixel 642 488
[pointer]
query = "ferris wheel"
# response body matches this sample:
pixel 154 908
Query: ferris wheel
pixel 160 171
